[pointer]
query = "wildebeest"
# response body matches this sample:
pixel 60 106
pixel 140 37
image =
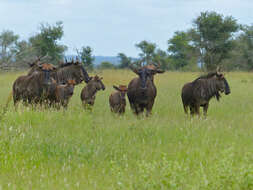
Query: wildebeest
pixel 88 93
pixel 200 91
pixel 117 99
pixel 142 90
pixel 73 70
pixel 59 94
pixel 33 88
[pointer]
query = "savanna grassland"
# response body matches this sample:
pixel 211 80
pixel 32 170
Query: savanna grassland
pixel 77 149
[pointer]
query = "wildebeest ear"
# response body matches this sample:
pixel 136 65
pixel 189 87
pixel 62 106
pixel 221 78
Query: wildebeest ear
pixel 116 88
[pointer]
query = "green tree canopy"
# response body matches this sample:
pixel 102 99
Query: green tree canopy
pixel 106 65
pixel 124 60
pixel 246 45
pixel 180 50
pixel 212 35
pixel 147 50
pixel 8 41
pixel 86 56
pixel 47 42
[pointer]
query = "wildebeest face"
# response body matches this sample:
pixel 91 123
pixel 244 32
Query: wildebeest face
pixel 122 89
pixel 47 69
pixel 222 84
pixel 144 73
pixel 81 73
pixel 70 87
pixel 98 83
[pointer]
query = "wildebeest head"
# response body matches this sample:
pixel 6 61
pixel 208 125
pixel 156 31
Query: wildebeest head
pixel 76 71
pixel 47 69
pixel 70 87
pixel 145 73
pixel 122 89
pixel 222 84
pixel 97 82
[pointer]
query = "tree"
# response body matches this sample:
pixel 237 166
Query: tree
pixel 246 45
pixel 25 53
pixel 8 50
pixel 106 65
pixel 212 35
pixel 181 52
pixel 148 50
pixel 46 42
pixel 160 57
pixel 86 56
pixel 124 60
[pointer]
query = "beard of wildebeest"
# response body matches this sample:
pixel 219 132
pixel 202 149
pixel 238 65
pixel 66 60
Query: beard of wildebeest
pixel 200 91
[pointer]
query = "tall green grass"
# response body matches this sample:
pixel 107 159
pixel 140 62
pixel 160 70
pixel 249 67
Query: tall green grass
pixel 77 149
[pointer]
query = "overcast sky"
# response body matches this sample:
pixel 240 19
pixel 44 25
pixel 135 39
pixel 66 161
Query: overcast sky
pixel 113 26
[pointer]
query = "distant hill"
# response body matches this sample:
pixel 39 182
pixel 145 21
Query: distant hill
pixel 112 59
pixel 99 59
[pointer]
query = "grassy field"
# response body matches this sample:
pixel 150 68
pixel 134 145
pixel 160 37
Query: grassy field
pixel 74 149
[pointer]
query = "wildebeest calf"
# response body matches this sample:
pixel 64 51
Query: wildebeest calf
pixel 60 94
pixel 88 93
pixel 200 91
pixel 117 99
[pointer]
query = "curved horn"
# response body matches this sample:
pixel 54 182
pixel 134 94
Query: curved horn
pixel 218 70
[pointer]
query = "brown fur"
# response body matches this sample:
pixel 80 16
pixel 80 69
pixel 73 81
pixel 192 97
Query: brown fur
pixel 200 91
pixel 60 94
pixel 32 88
pixel 88 93
pixel 117 99
pixel 142 90
pixel 65 72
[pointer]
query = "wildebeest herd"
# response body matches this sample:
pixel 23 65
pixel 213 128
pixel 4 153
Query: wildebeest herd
pixel 53 86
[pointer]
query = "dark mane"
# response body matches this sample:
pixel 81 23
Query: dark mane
pixel 66 64
pixel 206 76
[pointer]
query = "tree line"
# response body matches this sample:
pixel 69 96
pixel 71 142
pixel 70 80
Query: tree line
pixel 213 40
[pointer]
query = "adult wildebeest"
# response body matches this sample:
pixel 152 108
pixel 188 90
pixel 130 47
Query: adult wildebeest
pixel 33 88
pixel 200 91
pixel 142 90
pixel 88 93
pixel 117 99
pixel 59 94
pixel 73 70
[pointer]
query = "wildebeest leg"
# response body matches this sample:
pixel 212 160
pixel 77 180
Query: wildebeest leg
pixel 149 108
pixel 205 108
pixel 185 109
pixel 16 101
pixel 197 110
pixel 134 108
pixel 192 110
